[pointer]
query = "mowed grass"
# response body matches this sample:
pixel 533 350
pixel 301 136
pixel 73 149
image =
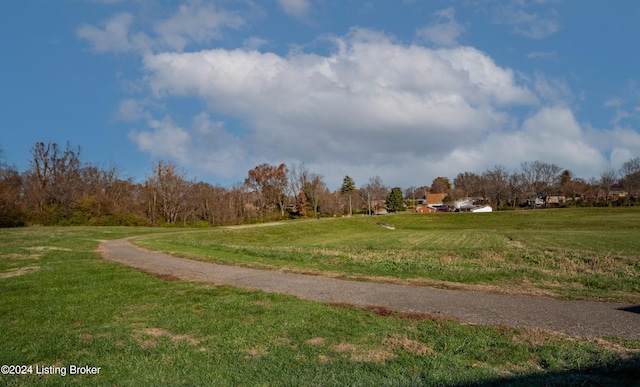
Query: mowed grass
pixel 62 305
pixel 567 253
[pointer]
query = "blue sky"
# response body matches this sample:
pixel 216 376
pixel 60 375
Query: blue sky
pixel 407 90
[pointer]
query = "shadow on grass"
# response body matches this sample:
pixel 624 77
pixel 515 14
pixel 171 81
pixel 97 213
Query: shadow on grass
pixel 624 373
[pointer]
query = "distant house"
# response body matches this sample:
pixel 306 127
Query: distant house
pixel 425 209
pixel 433 203
pixel 618 193
pixel 463 203
pixel 537 202
pixel 434 200
pixel 556 199
pixel 378 207
pixel 485 208
pixel 472 208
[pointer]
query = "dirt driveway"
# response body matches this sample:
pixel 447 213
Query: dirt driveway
pixel 581 318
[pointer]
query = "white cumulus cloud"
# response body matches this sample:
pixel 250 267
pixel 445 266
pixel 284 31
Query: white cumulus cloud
pixel 525 21
pixel 295 8
pixel 372 102
pixel 370 106
pixel 165 139
pixel 552 135
pixel 195 22
pixel 444 30
pixel 113 36
pixel 204 146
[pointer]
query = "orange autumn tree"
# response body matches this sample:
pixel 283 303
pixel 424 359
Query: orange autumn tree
pixel 270 182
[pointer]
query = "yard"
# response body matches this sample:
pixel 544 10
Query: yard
pixel 62 306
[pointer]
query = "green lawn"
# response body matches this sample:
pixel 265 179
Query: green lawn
pixel 61 305
pixel 572 253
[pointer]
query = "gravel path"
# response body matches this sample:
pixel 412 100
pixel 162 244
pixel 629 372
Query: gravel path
pixel 581 318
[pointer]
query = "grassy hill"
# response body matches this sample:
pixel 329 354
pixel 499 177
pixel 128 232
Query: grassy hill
pixel 61 305
pixel 573 253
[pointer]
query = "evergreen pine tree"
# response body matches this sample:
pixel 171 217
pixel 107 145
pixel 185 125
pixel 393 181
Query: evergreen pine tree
pixel 395 201
pixel 348 186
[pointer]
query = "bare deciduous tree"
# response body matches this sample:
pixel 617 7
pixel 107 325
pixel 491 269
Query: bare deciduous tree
pixel 10 184
pixel 630 177
pixel 296 178
pixel 467 184
pixel 314 188
pixel 54 177
pixel 167 190
pixel 607 181
pixel 373 193
pixel 496 181
pixel 539 178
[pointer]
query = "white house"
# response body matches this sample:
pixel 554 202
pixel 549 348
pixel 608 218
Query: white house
pixel 472 208
pixel 485 208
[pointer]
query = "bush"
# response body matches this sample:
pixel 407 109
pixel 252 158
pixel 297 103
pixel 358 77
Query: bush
pixel 120 219
pixel 11 219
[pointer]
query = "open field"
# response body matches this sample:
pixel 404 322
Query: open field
pixel 573 253
pixel 61 305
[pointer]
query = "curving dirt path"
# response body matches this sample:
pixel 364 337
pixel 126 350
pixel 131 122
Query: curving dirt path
pixel 581 318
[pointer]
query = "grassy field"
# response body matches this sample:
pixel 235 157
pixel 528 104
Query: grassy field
pixel 63 306
pixel 572 254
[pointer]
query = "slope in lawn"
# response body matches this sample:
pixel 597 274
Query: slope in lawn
pixel 581 253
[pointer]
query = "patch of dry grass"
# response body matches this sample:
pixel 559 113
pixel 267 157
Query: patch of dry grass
pixel 148 337
pixel 255 352
pixel 404 343
pixel 361 354
pixel 316 341
pixel 19 271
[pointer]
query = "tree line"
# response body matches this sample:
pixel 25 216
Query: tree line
pixel 59 189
